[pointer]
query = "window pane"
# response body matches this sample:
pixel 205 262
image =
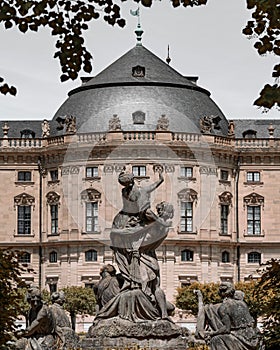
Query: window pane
pixel 92 172
pixel 186 220
pixel 53 257
pixel 24 176
pixel 24 220
pixel 186 171
pixel 92 217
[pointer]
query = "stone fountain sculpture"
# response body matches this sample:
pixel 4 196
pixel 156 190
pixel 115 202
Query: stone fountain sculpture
pixel 132 307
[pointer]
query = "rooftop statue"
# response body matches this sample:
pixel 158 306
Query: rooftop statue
pixel 227 325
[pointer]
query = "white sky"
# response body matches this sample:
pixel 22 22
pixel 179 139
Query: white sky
pixel 204 41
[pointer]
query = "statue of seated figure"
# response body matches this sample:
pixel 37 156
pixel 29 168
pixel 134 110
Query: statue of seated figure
pixel 227 325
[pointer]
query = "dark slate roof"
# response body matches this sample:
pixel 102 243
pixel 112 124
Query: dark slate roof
pixel 161 91
pixel 16 126
pixel 259 125
pixel 156 72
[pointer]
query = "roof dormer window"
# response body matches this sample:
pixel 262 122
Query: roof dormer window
pixel 138 71
pixel 249 134
pixel 27 134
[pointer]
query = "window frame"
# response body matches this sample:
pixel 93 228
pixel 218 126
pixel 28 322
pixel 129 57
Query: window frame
pixel 254 224
pixel 224 215
pixel 186 221
pixel 94 209
pixel 253 174
pixel 225 257
pixel 53 175
pixel 54 218
pixel 184 170
pixel 187 255
pixel 139 169
pixel 253 259
pixel 93 255
pixel 24 173
pixel 22 258
pixel 224 175
pixel 25 221
pixel 93 170
pixel 53 257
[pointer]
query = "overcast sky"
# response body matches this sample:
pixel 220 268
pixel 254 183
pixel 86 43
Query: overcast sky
pixel 204 41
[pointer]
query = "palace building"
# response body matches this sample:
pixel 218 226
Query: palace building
pixel 59 189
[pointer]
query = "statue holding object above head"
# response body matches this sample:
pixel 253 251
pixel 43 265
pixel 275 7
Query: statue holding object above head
pixel 136 233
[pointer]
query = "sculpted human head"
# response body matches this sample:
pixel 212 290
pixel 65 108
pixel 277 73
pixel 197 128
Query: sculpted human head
pixel 126 179
pixel 226 289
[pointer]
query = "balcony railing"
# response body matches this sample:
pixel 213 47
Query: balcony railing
pixel 212 140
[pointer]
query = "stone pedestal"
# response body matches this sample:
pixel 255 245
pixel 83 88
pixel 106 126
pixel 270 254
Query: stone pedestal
pixel 120 334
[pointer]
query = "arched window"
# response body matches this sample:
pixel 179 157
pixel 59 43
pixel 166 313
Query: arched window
pixel 225 257
pixel 254 257
pixel 53 257
pixel 249 134
pixel 91 255
pixel 186 255
pixel 27 134
pixel 24 258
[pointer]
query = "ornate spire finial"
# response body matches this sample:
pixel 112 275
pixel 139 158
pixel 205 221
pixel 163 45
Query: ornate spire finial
pixel 168 59
pixel 139 31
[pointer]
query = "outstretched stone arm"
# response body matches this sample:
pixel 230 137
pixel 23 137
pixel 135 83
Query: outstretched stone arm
pixel 156 184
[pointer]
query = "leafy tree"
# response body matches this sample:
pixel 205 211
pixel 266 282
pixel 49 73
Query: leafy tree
pixel 68 19
pixel 269 284
pixel 10 294
pixel 187 299
pixel 79 301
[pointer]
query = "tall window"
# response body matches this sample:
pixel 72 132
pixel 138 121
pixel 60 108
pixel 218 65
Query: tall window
pixel 139 170
pixel 92 171
pixel 224 218
pixel 186 255
pixel 186 217
pixel 92 217
pixel 186 171
pixel 54 218
pixel 253 176
pixel 254 220
pixel 24 258
pixel 254 258
pixel 24 220
pixel 53 257
pixel 225 257
pixel 24 176
pixel 91 255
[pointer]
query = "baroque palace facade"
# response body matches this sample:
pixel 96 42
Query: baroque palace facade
pixel 59 189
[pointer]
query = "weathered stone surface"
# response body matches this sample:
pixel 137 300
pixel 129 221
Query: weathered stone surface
pixel 116 327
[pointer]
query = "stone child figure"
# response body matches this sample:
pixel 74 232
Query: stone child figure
pixel 136 202
pixel 227 325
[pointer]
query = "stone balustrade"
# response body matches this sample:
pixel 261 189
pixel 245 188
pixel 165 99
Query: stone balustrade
pixel 142 136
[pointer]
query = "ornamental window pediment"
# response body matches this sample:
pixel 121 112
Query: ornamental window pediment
pixel 225 198
pixel 53 198
pixel 188 195
pixel 24 199
pixel 253 199
pixel 90 194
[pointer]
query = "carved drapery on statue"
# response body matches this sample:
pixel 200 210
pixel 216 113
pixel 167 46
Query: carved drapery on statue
pixel 136 233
